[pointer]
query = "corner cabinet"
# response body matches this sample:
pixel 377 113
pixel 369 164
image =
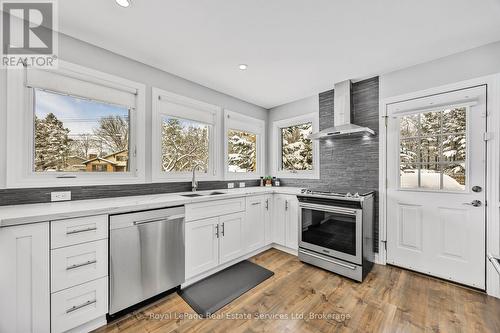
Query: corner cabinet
pixel 24 278
pixel 285 226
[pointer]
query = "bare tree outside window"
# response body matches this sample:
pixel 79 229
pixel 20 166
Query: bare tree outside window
pixel 297 148
pixel 73 134
pixel 184 144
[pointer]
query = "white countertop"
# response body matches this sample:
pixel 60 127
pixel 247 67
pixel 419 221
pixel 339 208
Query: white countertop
pixel 41 212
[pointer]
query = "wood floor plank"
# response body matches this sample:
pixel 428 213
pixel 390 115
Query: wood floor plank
pixel 303 298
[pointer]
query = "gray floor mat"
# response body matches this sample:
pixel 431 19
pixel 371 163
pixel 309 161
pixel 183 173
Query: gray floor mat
pixel 214 292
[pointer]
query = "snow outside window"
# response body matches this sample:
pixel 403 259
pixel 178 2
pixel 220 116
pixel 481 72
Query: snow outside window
pixel 244 146
pixel 184 136
pixel 433 150
pixel 294 154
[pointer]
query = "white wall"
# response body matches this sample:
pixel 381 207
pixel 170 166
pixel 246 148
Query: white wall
pixel 81 53
pixel 289 110
pixel 481 61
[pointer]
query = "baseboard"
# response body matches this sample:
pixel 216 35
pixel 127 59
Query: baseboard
pixel 285 249
pixel 90 326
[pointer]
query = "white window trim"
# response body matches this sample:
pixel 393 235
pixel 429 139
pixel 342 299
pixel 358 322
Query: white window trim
pixel 276 147
pixel 159 176
pixel 20 147
pixel 255 126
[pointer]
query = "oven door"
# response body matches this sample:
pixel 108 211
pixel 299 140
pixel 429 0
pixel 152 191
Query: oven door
pixel 334 231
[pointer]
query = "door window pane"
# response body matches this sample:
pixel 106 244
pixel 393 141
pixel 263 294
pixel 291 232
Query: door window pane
pixel 433 150
pixel 73 134
pixel 242 151
pixel 184 145
pixel 297 148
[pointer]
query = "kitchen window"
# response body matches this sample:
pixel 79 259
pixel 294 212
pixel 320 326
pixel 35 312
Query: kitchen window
pixel 295 154
pixel 244 146
pixel 433 150
pixel 78 127
pixel 184 137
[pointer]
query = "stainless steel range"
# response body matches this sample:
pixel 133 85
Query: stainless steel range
pixel 337 231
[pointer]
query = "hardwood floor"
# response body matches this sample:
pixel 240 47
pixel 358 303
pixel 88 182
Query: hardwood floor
pixel 389 300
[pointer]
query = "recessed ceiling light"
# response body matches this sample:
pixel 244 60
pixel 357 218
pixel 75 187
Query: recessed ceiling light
pixel 123 3
pixel 243 67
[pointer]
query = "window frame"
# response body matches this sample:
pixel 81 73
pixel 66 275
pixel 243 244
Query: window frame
pixel 467 187
pixel 276 153
pixel 20 129
pixel 160 176
pixel 249 124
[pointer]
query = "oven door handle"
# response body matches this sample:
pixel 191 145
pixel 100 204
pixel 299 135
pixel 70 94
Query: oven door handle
pixel 329 209
pixel 353 267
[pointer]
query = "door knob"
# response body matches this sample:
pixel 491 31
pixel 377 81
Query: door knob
pixel 475 203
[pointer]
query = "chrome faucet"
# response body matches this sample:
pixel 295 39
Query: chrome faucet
pixel 194 182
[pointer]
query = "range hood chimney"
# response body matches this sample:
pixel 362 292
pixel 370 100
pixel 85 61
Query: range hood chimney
pixel 342 117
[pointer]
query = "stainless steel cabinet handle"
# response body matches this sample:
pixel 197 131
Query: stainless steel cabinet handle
pixel 267 204
pixel 72 232
pixel 255 203
pixel 76 307
pixel 217 231
pixel 222 229
pixel 286 204
pixel 475 203
pixel 90 262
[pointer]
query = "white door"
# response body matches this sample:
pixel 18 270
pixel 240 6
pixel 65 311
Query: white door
pixel 24 278
pixel 292 222
pixel 231 236
pixel 279 220
pixel 202 246
pixel 255 228
pixel 436 185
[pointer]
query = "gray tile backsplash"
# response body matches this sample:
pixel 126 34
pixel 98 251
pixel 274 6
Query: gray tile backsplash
pixel 37 195
pixel 349 163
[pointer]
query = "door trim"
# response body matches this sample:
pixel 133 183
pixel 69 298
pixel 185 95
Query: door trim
pixel 492 83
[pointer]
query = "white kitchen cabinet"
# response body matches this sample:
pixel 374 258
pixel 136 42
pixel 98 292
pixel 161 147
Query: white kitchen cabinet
pixel 285 225
pixel 255 223
pixel 24 278
pixel 231 236
pixel 202 246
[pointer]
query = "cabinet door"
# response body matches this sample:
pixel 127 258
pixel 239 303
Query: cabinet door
pixel 24 280
pixel 202 246
pixel 255 227
pixel 231 236
pixel 279 219
pixel 292 222
pixel 268 218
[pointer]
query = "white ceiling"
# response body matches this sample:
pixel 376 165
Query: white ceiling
pixel 294 48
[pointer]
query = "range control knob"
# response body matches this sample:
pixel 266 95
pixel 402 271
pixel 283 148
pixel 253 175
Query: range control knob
pixel 356 195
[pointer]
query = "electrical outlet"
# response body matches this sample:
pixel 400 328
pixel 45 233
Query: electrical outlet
pixel 230 185
pixel 60 196
pixel 242 184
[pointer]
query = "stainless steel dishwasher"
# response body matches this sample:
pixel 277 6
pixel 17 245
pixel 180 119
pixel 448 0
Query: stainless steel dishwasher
pixel 146 255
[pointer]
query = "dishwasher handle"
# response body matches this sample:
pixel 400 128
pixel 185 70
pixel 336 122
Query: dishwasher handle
pixel 162 219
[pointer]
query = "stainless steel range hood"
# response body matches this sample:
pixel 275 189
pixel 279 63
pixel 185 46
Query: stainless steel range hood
pixel 342 117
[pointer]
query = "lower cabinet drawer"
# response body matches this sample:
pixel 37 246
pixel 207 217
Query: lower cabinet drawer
pixel 78 305
pixel 77 264
pixel 78 230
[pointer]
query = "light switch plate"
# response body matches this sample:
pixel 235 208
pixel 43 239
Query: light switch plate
pixel 242 184
pixel 230 185
pixel 60 196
